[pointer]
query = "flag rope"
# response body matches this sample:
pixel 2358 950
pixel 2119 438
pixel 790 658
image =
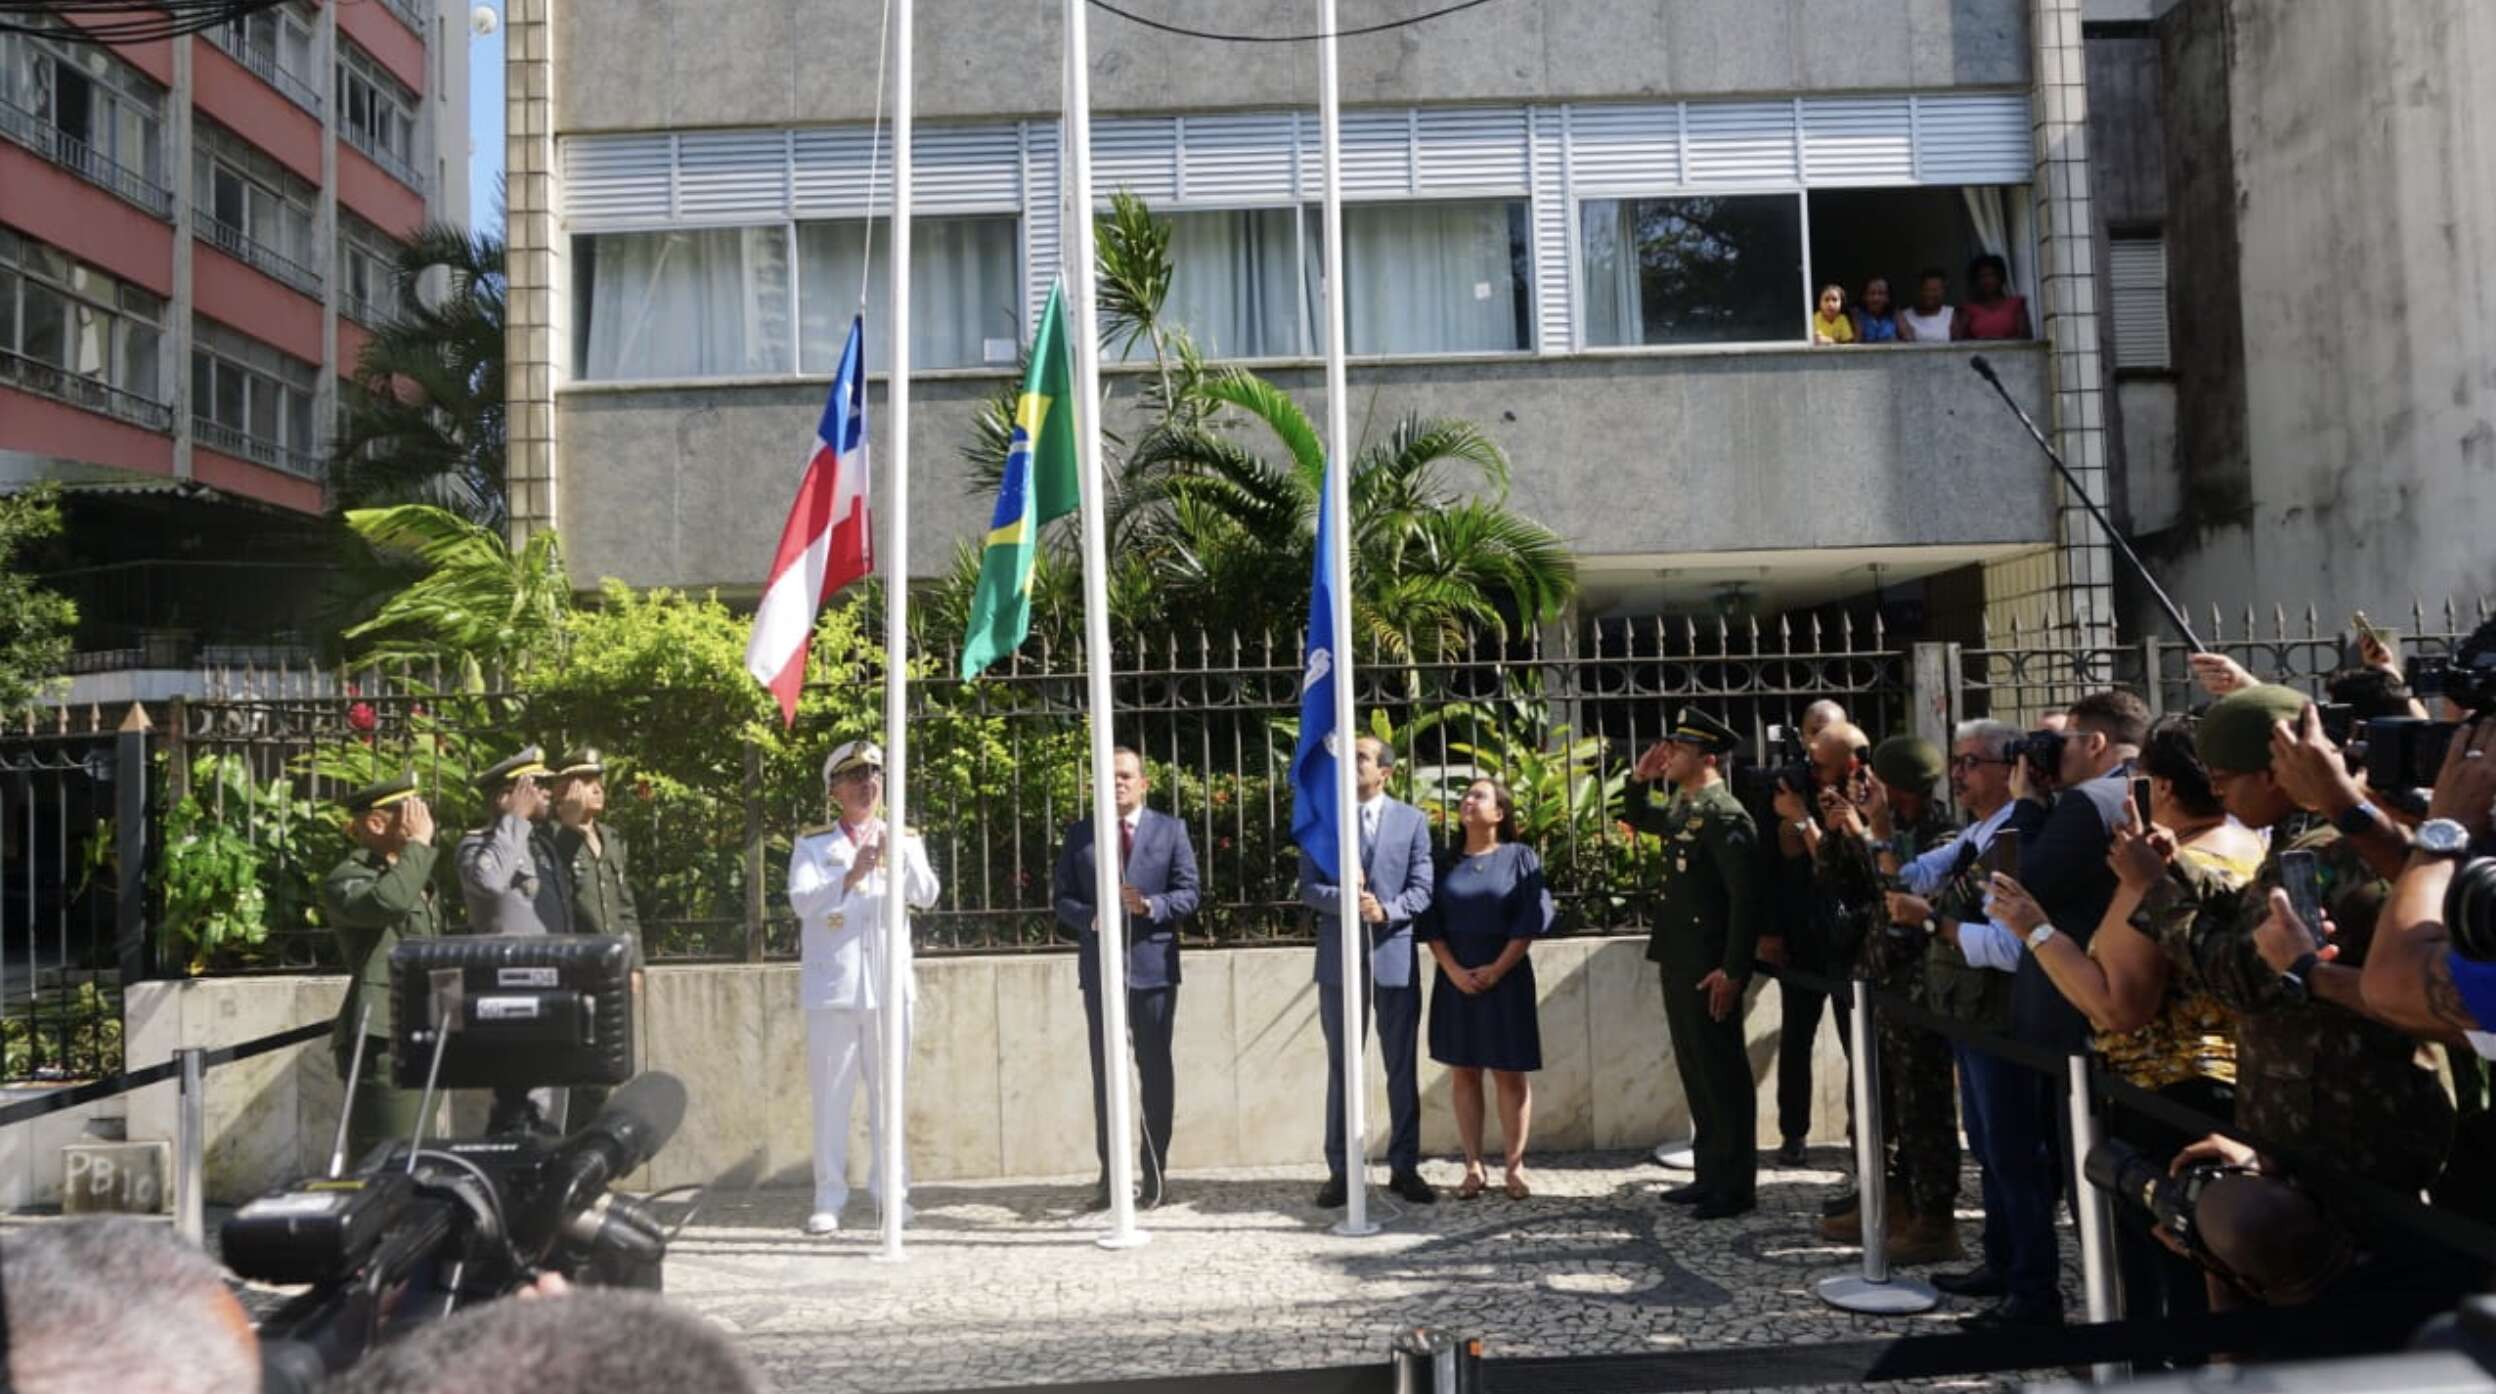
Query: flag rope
pixel 875 154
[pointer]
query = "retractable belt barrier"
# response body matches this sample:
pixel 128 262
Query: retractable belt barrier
pixel 2458 1233
pixel 158 1073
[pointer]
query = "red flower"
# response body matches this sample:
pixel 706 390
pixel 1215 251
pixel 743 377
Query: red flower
pixel 1222 844
pixel 361 717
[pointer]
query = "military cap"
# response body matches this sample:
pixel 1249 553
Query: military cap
pixel 852 755
pixel 1911 763
pixel 530 760
pixel 2235 735
pixel 1696 728
pixel 381 795
pixel 585 761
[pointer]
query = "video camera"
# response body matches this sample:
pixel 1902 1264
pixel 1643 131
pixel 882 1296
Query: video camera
pixel 1784 767
pixel 2041 752
pixel 2405 752
pixel 420 1230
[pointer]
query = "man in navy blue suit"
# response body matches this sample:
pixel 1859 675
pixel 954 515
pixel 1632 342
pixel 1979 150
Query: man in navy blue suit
pixel 1158 884
pixel 1395 887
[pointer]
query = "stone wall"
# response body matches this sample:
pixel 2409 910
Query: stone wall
pixel 999 1084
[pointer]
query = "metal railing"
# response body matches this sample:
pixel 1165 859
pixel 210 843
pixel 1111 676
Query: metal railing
pixel 78 390
pixel 74 829
pixel 372 314
pixel 391 164
pixel 264 65
pixel 218 436
pixel 79 158
pixel 243 247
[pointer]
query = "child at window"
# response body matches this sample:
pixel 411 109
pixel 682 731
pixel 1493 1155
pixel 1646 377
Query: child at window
pixel 1875 321
pixel 1830 324
pixel 1927 321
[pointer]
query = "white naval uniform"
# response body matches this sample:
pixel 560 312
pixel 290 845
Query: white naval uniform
pixel 841 979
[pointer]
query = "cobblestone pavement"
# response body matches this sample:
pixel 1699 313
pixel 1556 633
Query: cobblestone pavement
pixel 1003 1284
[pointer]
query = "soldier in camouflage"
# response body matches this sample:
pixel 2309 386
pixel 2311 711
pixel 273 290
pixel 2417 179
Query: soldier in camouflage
pixel 1858 862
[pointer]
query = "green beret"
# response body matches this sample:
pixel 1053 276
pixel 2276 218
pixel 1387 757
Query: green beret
pixel 2235 736
pixel 1911 763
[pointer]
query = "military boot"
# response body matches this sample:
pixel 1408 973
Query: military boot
pixel 1925 1239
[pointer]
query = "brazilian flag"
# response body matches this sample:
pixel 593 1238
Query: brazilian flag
pixel 1039 486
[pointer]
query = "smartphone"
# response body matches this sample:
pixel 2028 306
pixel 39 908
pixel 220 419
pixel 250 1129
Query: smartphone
pixel 2302 878
pixel 2140 801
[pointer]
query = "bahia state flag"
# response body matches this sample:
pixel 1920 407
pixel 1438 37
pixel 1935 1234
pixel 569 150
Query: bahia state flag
pixel 828 540
pixel 1315 818
pixel 1039 486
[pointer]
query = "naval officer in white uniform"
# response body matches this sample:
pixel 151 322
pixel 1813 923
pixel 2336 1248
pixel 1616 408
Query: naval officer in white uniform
pixel 838 878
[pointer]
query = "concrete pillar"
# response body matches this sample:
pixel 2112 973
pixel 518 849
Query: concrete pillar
pixel 530 262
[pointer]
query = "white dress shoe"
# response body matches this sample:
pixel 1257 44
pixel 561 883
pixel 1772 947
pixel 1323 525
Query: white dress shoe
pixel 823 1222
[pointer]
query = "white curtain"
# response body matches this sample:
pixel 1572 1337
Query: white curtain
pixel 2005 221
pixel 710 302
pixel 1992 222
pixel 1429 278
pixel 1233 284
pixel 965 293
pixel 1614 314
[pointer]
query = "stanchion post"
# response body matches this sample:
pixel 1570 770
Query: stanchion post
pixel 190 1144
pixel 1874 1291
pixel 2097 1217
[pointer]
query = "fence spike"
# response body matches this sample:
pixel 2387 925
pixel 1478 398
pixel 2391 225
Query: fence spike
pixel 1880 630
pixel 1816 645
pixel 2313 621
pixel 1689 635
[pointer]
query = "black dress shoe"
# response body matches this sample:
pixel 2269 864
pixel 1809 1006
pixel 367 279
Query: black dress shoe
pixel 1722 1208
pixel 1692 1194
pixel 2012 1313
pixel 1973 1282
pixel 1791 1154
pixel 1840 1204
pixel 1330 1195
pixel 1408 1186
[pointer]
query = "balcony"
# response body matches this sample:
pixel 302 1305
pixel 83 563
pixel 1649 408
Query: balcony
pixel 234 242
pixel 77 390
pixel 390 164
pixel 263 64
pixel 79 158
pixel 372 314
pixel 407 14
pixel 302 464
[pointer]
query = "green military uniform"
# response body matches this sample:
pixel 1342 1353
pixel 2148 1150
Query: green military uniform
pixel 372 902
pixel 1918 1104
pixel 594 859
pixel 1706 918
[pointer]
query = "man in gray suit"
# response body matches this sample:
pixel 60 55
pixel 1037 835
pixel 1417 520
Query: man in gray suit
pixel 1396 880
pixel 513 883
pixel 1157 884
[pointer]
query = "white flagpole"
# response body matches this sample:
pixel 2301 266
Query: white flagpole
pixel 893 1021
pixel 1351 933
pixel 1083 332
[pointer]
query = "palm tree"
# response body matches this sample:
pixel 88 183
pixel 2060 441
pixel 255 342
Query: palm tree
pixel 477 598
pixel 424 411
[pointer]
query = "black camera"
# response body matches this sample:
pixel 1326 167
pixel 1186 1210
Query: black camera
pixel 422 1228
pixel 2122 1170
pixel 2041 752
pixel 2467 679
pixel 2403 752
pixel 2470 909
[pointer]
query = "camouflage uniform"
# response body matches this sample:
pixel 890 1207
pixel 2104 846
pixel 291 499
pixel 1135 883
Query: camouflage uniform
pixel 1918 1092
pixel 2193 1035
pixel 2312 1077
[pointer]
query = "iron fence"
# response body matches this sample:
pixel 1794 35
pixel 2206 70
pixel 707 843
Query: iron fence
pixel 73 829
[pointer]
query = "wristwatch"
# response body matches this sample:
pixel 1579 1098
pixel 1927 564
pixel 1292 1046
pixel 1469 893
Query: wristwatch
pixel 2297 982
pixel 2442 837
pixel 2358 820
pixel 2038 936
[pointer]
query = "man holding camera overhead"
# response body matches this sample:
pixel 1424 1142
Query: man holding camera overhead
pixel 381 893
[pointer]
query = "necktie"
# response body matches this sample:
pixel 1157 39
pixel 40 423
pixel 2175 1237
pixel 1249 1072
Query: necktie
pixel 1126 842
pixel 1369 832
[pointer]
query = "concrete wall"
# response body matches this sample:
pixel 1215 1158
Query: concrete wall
pixel 1783 448
pixel 999 1084
pixel 2354 183
pixel 645 64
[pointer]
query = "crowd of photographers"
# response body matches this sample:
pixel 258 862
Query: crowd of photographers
pixel 2270 912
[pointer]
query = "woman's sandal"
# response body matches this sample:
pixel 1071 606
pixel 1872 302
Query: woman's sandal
pixel 1471 1187
pixel 1517 1189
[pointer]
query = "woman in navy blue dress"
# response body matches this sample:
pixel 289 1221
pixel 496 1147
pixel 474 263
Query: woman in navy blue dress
pixel 1489 906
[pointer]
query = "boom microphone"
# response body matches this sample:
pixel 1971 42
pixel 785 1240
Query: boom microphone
pixel 2071 481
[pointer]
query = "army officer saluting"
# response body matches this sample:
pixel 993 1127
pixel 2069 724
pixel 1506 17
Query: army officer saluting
pixel 382 893
pixel 1706 927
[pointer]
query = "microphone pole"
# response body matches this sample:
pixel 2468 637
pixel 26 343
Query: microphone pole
pixel 2071 481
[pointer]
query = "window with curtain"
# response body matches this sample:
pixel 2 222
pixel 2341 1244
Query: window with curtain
pixel 1706 270
pixel 1235 285
pixel 966 292
pixel 1430 277
pixel 71 316
pixel 694 303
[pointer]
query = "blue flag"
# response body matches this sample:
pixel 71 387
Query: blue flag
pixel 1315 819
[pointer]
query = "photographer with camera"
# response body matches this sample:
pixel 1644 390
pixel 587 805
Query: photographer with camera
pixel 2313 1076
pixel 1805 917
pixel 1859 860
